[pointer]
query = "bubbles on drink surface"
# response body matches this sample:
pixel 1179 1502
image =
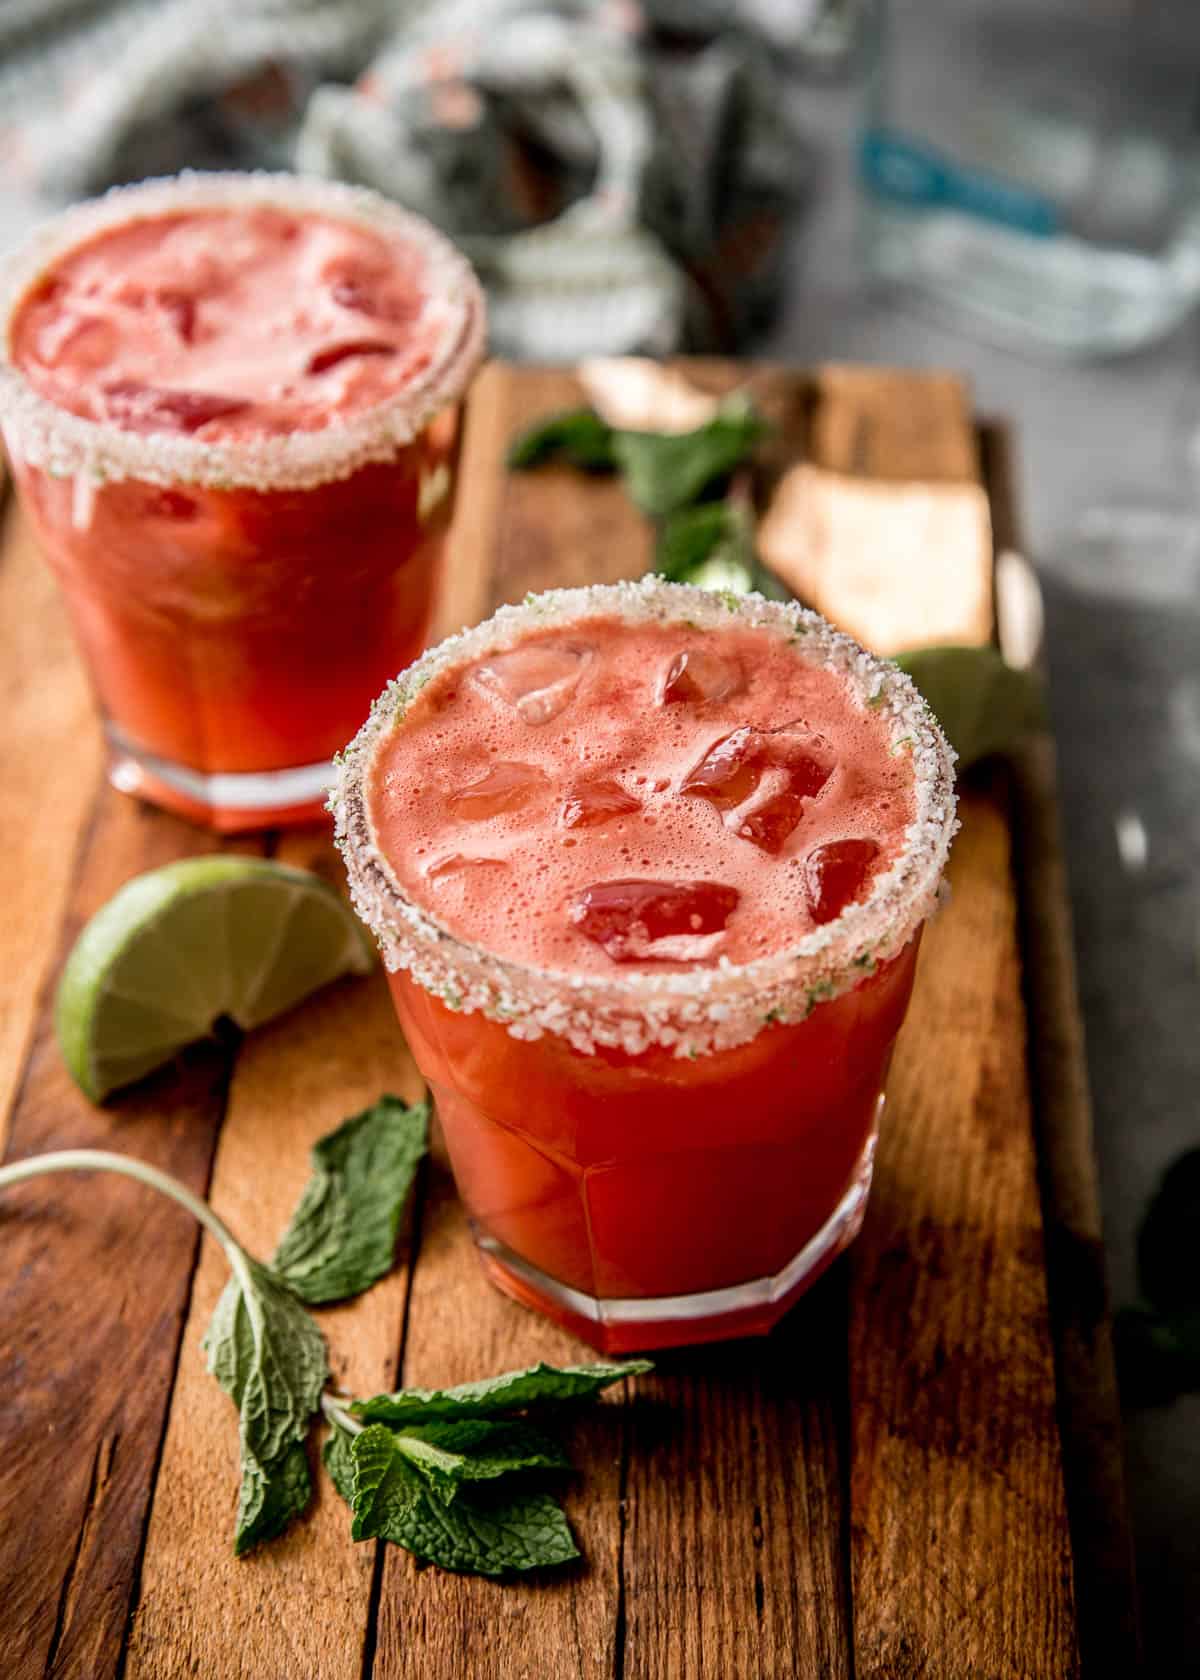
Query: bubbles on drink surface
pixel 537 681
pixel 638 827
pixel 501 787
pixel 760 779
pixel 836 875
pixel 645 921
pixel 598 800
pixel 698 676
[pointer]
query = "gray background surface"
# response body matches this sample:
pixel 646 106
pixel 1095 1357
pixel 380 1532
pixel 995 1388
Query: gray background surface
pixel 1124 648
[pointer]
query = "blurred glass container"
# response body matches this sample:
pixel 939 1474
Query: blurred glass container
pixel 1033 166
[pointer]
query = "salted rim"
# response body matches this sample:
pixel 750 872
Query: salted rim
pixel 697 1010
pixel 68 445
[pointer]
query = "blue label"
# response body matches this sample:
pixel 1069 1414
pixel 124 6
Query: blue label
pixel 905 171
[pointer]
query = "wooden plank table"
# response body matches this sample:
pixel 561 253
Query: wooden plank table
pixel 916 1475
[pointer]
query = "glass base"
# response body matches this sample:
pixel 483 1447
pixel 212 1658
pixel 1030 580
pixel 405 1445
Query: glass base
pixel 626 1325
pixel 230 802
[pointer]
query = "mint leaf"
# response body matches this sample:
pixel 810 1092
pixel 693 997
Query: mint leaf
pixel 342 1236
pixel 711 545
pixel 579 437
pixel 269 1500
pixel 983 705
pixel 450 1452
pixel 269 1357
pixel 480 1533
pixel 665 471
pixel 338 1458
pixel 511 1392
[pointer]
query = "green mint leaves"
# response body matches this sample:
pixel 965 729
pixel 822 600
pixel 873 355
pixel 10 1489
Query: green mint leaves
pixel 443 1472
pixel 490 1533
pixel 579 439
pixel 666 471
pixel 1158 1340
pixel 983 705
pixel 538 1385
pixel 263 1347
pixel 449 1453
pixel 269 1357
pixel 712 546
pixel 342 1236
pixel 269 1500
pixel 663 471
pixel 454 1482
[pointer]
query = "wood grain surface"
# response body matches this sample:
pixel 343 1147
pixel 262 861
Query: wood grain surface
pixel 877 1490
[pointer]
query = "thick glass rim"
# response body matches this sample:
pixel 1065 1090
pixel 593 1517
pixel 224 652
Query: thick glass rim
pixel 38 431
pixel 692 1011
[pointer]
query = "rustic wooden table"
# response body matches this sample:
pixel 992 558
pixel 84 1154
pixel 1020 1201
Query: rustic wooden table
pixel 916 1475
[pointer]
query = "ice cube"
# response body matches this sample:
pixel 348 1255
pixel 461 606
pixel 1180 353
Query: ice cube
pixel 501 787
pixel 180 311
pixel 761 778
pixel 597 801
pixel 456 865
pixel 322 360
pixel 649 921
pixel 355 292
pixel 153 408
pixel 837 874
pixel 698 675
pixel 537 681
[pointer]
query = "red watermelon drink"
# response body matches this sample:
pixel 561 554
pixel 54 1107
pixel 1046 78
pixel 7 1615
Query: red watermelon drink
pixel 648 868
pixel 231 406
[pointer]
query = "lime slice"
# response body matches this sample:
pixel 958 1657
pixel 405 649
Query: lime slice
pixel 179 947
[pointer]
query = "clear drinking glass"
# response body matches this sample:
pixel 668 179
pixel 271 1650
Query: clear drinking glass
pixel 659 1157
pixel 240 603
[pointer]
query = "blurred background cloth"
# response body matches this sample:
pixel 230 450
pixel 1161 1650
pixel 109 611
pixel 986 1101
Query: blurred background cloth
pixel 619 172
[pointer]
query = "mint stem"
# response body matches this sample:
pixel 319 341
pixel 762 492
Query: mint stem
pixel 103 1160
pixel 338 1416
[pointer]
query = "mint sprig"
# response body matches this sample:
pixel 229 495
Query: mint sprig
pixel 666 471
pixel 262 1346
pixel 663 471
pixel 446 1474
pixel 443 1473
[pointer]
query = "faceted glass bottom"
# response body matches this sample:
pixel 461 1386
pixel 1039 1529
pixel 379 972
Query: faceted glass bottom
pixel 627 1325
pixel 227 801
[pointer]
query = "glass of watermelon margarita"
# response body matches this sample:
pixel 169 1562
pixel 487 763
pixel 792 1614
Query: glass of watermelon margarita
pixel 231 407
pixel 648 868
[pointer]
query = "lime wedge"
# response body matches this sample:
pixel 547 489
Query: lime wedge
pixel 179 947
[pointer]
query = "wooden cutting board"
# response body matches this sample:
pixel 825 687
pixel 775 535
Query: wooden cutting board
pixel 916 1475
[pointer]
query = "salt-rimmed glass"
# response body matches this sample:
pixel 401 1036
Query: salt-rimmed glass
pixel 240 603
pixel 660 1157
